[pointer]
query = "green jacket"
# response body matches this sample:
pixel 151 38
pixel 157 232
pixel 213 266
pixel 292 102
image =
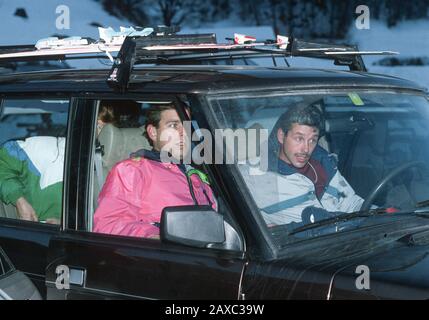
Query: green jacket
pixel 33 169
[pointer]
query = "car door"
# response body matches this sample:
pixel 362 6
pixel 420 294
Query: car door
pixel 83 264
pixel 112 267
pixel 31 166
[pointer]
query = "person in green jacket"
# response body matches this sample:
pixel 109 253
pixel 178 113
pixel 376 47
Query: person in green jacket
pixel 31 177
pixel 31 172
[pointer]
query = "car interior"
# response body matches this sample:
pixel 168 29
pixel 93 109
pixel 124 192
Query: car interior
pixel 114 144
pixel 21 119
pixel 369 142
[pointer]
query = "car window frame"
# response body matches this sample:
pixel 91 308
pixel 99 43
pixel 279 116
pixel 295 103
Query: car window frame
pixel 49 96
pixel 271 249
pixel 83 226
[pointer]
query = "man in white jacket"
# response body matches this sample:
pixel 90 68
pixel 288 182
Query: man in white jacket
pixel 303 183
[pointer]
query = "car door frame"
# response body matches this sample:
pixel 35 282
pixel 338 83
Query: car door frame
pixel 106 266
pixel 26 243
pixel 267 274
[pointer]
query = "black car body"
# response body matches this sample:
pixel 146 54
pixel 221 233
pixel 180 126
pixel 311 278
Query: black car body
pixel 263 263
pixel 14 285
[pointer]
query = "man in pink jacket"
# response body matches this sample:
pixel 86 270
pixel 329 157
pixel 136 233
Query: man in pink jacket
pixel 137 189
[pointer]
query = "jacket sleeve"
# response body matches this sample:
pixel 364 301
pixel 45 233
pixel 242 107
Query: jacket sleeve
pixel 120 204
pixel 349 200
pixel 11 169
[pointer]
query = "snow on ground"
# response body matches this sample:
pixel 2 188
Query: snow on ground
pixel 410 39
pixel 42 17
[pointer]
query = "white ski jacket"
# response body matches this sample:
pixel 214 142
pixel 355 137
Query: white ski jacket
pixel 283 193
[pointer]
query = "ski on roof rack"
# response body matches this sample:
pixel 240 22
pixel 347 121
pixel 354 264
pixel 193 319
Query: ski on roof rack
pixel 58 48
pixel 174 49
pixel 163 45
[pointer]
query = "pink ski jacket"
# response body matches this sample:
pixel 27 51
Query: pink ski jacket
pixel 137 189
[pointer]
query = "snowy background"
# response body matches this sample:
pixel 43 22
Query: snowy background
pixel 409 38
pixel 405 30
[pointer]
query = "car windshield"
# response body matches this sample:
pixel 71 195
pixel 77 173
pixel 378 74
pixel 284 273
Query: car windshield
pixel 307 157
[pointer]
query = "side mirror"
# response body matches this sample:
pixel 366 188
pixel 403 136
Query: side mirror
pixel 197 226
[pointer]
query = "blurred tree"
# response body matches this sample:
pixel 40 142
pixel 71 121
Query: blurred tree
pixel 393 11
pixel 199 13
pixel 131 10
pixel 303 18
pixel 172 11
pixel 251 11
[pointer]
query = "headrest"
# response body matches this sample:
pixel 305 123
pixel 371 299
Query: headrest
pixel 134 140
pixel 118 143
pixel 111 139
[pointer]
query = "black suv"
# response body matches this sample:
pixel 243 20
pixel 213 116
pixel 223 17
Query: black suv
pixel 376 126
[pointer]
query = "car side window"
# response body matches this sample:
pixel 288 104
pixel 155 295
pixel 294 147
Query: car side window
pixel 132 182
pixel 32 146
pixel 119 132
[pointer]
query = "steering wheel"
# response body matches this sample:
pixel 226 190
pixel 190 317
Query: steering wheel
pixel 380 185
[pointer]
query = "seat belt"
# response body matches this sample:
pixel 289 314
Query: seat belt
pixel 98 161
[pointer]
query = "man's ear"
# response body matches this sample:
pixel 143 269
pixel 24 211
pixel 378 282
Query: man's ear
pixel 280 135
pixel 151 132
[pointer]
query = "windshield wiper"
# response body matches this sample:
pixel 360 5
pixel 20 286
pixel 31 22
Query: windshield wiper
pixel 422 204
pixel 422 209
pixel 340 218
pixel 362 214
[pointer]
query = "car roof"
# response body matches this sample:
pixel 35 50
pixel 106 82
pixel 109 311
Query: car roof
pixel 200 79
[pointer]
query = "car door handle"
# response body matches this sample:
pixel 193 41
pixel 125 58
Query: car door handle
pixel 77 276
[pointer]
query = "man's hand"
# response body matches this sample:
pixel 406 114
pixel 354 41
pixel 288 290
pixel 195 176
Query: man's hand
pixel 53 221
pixel 25 210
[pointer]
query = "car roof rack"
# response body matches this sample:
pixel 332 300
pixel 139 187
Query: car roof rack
pixel 163 45
pixel 173 49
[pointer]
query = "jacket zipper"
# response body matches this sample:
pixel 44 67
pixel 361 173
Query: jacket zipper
pixel 191 189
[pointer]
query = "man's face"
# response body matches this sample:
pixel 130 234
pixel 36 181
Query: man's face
pixel 170 135
pixel 298 144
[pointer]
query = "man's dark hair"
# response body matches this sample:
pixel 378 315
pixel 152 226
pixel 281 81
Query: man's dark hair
pixel 153 117
pixel 303 114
